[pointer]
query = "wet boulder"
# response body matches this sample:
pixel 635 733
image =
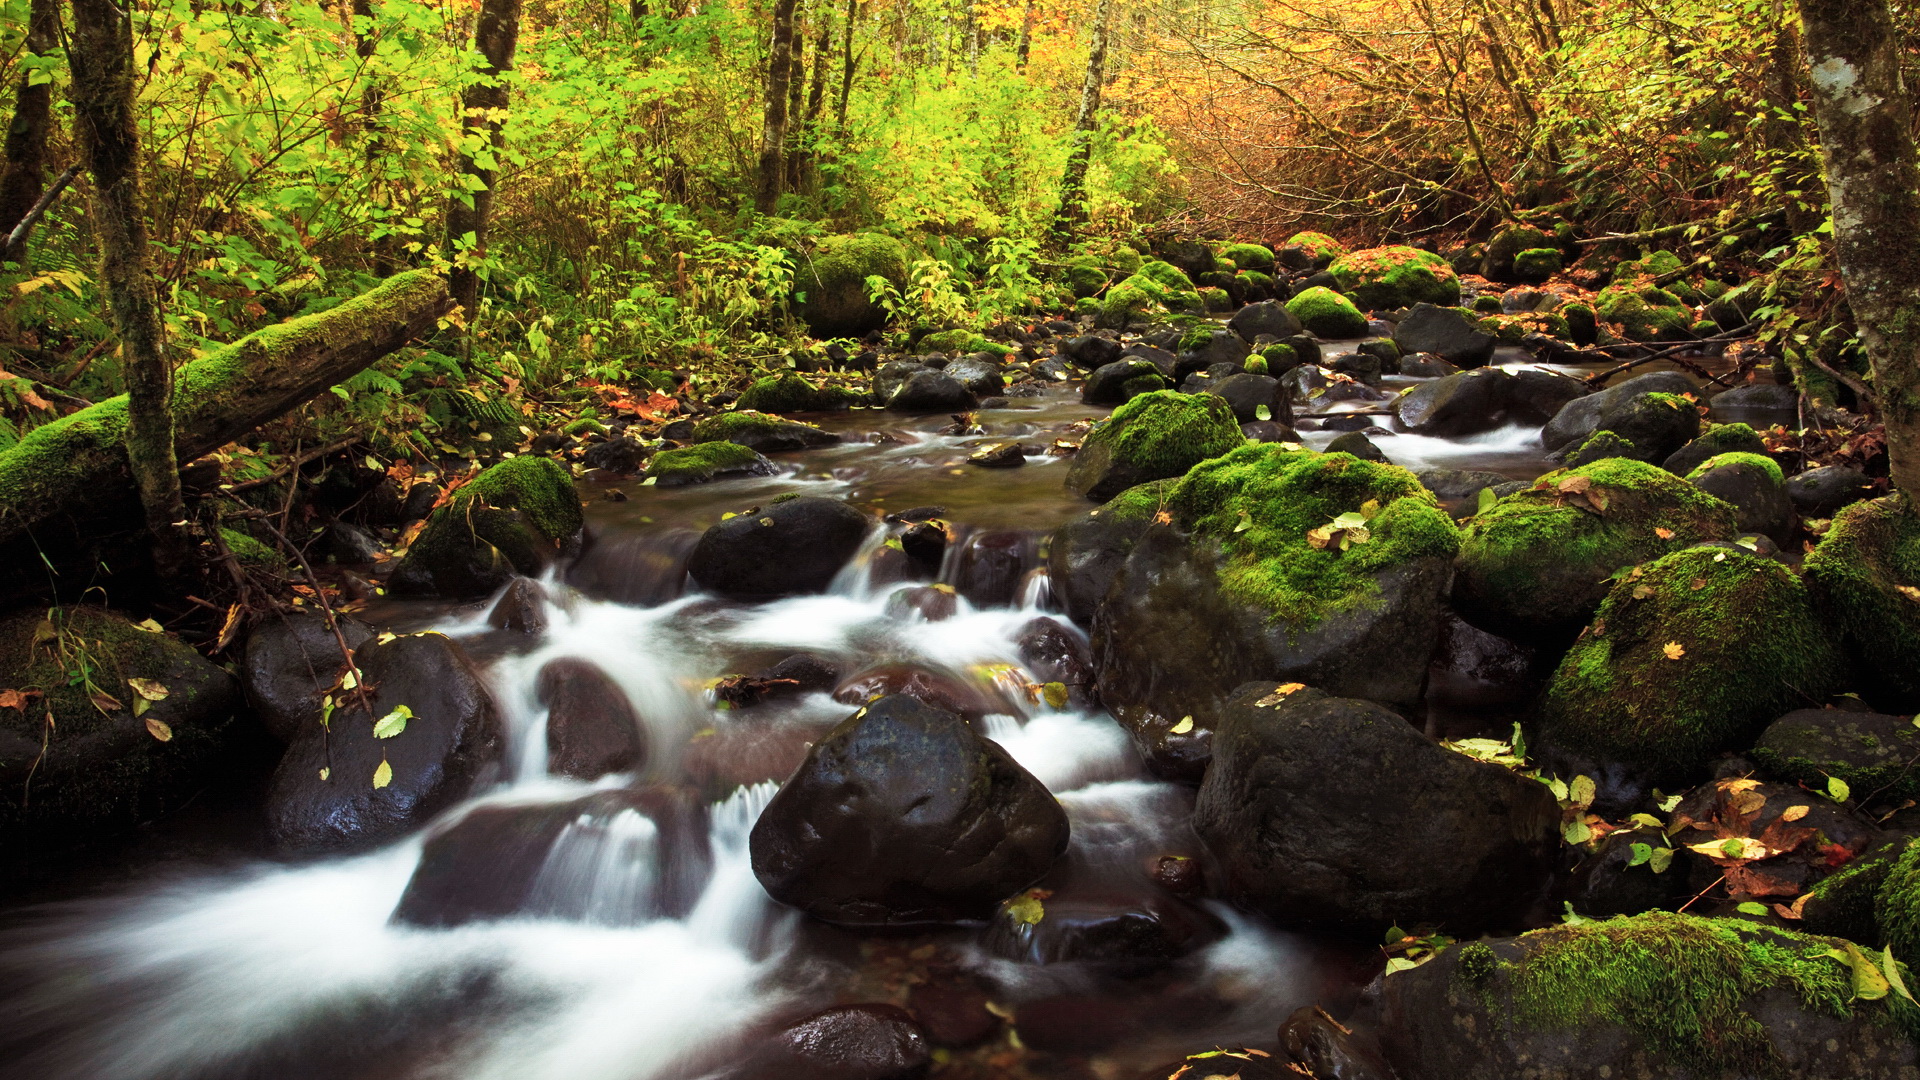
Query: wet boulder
pixel 1107 384
pixel 846 1042
pixel 1538 560
pixel 1505 246
pixel 1154 437
pixel 1456 405
pixel 934 689
pixel 1328 1049
pixel 1267 317
pixel 1617 880
pixel 1867 751
pixel 1357 444
pixel 1248 395
pixel 1717 439
pixel 706 462
pixel 1116 930
pixel 1656 424
pixel 1086 553
pixel 290 661
pixel 1655 995
pixel 592 729
pixel 1583 416
pixel 137 736
pixel 514 518
pixel 1091 351
pixel 761 432
pixel 578 859
pixel 1825 491
pixel 1455 485
pixel 1053 653
pixel 1444 332
pixel 1387 278
pixel 521 609
pixel 1644 312
pixel 344 788
pixel 929 391
pixel 891 376
pixel 1298 834
pixel 833 280
pixel 1247 578
pixel 1690 654
pixel 978 374
pixel 1537 395
pixel 1863 573
pixel 1327 315
pixel 1427 365
pixel 789 546
pixel 1753 485
pixel 1207 345
pixel 1759 404
pixel 902 816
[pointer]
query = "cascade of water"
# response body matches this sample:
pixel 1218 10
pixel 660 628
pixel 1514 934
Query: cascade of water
pixel 601 870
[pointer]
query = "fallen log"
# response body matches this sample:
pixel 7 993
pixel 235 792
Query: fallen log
pixel 75 468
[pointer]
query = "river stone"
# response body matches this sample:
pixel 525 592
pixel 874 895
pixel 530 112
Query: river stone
pixel 1449 485
pixel 1328 1049
pixel 1656 425
pixel 1759 405
pixel 1221 347
pixel 979 376
pixel 1427 365
pixel 1870 752
pixel 892 375
pixel 514 518
pixel 1168 363
pixel 1444 332
pixel 1357 444
pixel 790 546
pixel 592 729
pixel 1716 440
pixel 1265 317
pixel 846 1042
pixel 551 860
pixel 1537 396
pixel 290 661
pixel 1052 653
pixel 1825 491
pixel 902 816
pixel 450 746
pixel 928 391
pixel 1248 394
pixel 1086 553
pixel 1091 351
pixel 1456 405
pixel 1156 436
pixel 90 770
pixel 1298 834
pixel 1583 416
pixel 1757 496
pixel 1121 932
pixel 1107 383
pixel 1656 997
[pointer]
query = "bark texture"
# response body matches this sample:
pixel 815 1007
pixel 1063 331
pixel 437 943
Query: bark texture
pixel 26 149
pixel 1073 183
pixel 483 106
pixel 1866 134
pixel 100 55
pixel 773 128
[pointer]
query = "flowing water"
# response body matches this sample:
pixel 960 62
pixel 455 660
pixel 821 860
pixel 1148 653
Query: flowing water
pixel 266 969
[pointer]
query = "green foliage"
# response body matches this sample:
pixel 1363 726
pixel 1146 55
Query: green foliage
pixel 1163 433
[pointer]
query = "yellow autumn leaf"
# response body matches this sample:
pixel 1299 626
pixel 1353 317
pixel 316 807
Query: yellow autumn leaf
pixel 383 775
pixel 1281 693
pixel 159 729
pixel 1185 725
pixel 1794 813
pixel 1674 650
pixel 148 689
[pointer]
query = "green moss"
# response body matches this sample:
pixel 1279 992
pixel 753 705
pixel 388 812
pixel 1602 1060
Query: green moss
pixel 1384 278
pixel 1086 275
pixel 785 393
pixel 1255 279
pixel 960 341
pixel 1846 902
pixel 700 462
pixel 1086 305
pixel 1513 329
pixel 1486 305
pixel 1644 313
pixel 1126 260
pixel 1142 502
pixel 1255 365
pixel 1652 265
pixel 1599 446
pixel 1142 384
pixel 740 426
pixel 1538 559
pixel 1250 257
pixel 1536 265
pixel 1216 300
pixel 1327 314
pixel 1196 338
pixel 536 486
pixel 1838 743
pixel 1750 648
pixel 1477 963
pixel 1682 984
pixel 1857 571
pixel 252 553
pixel 1280 357
pixel 831 282
pixel 1898 901
pixel 585 425
pixel 1320 247
pixel 1155 435
pixel 1260 501
pixel 1740 457
pixel 1497 263
pixel 1166 275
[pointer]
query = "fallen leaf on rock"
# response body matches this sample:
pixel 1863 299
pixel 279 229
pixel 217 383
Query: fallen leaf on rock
pixel 1280 693
pixel 159 729
pixel 1185 725
pixel 1663 532
pixel 1674 650
pixel 1795 813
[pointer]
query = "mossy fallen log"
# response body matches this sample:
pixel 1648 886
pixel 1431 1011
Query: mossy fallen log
pixel 75 470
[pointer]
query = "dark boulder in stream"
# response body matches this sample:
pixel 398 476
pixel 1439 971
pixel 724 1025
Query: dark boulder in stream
pixel 1155 436
pixel 1087 552
pixel 289 662
pixel 789 546
pixel 1583 416
pixel 514 518
pixel 341 788
pixel 903 816
pixel 1455 405
pixel 929 391
pixel 591 728
pixel 1421 835
pixel 847 1042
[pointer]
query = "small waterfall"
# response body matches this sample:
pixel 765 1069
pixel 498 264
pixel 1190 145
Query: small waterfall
pixel 855 580
pixel 602 870
pixel 734 910
pixel 990 567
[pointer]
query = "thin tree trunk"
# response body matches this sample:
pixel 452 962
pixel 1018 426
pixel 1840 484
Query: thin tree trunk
pixel 773 131
pixel 800 164
pixel 373 99
pixel 1780 132
pixel 1873 182
pixel 1073 183
pixel 847 64
pixel 495 37
pixel 26 150
pixel 1026 39
pixel 100 56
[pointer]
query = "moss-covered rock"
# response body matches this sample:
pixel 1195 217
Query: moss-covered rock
pixel 1086 275
pixel 1486 305
pixel 789 393
pixel 100 756
pixel 1846 903
pixel 513 518
pixel 1384 278
pixel 958 341
pixel 1156 289
pixel 1084 555
pixel 1644 313
pixel 1583 325
pixel 1250 257
pixel 1497 262
pixel 1254 285
pixel 706 461
pixel 1326 314
pixel 1652 995
pixel 1716 439
pixel 1538 560
pixel 1216 300
pixel 1898 901
pixel 1691 654
pixel 1863 572
pixel 253 554
pixel 1740 457
pixel 1155 435
pixel 1599 446
pixel 1318 249
pixel 759 431
pixel 1870 752
pixel 1535 265
pixel 830 283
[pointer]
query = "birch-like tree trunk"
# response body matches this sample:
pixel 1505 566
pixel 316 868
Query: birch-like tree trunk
pixel 773 130
pixel 483 106
pixel 1073 184
pixel 1873 184
pixel 100 57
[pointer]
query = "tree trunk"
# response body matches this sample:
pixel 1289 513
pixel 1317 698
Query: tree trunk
pixel 1073 184
pixel 773 131
pixel 495 36
pixel 26 150
pixel 1026 39
pixel 100 55
pixel 847 64
pixel 80 463
pixel 800 164
pixel 1873 182
pixel 373 100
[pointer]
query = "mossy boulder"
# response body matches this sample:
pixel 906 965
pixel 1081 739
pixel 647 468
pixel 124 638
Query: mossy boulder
pixel 1156 289
pixel 790 393
pixel 830 283
pixel 1656 423
pixel 1864 573
pixel 1657 995
pixel 1535 265
pixel 1310 251
pixel 1497 261
pixel 1846 903
pixel 1154 436
pixel 1753 484
pixel 1898 902
pixel 759 431
pixel 1086 275
pixel 95 766
pixel 1690 654
pixel 707 461
pixel 1538 560
pixel 953 342
pixel 252 553
pixel 514 518
pixel 1250 257
pixel 1275 562
pixel 1716 439
pixel 1385 278
pixel 1870 752
pixel 1599 446
pixel 1644 312
pixel 1327 314
pixel 1084 554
